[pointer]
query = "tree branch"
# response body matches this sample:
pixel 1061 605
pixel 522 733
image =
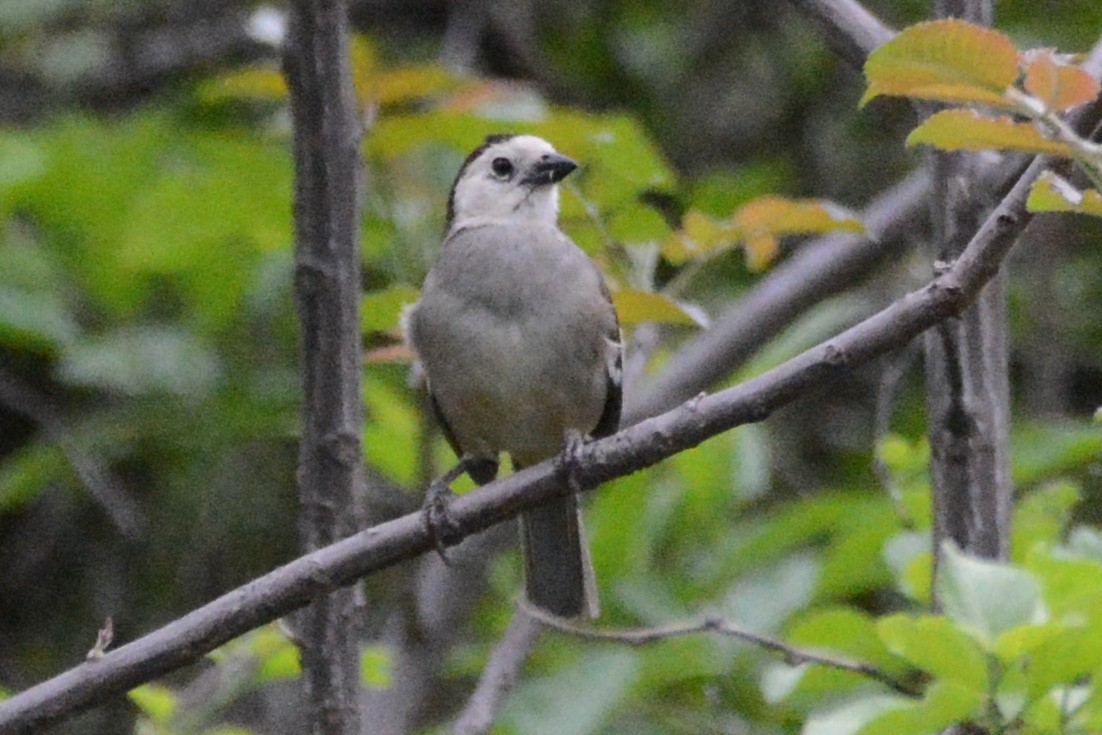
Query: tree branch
pixel 500 675
pixel 642 445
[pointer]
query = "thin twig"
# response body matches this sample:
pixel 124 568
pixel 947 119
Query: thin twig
pixel 791 655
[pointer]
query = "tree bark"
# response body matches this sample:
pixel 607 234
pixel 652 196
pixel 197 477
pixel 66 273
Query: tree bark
pixel 967 387
pixel 327 293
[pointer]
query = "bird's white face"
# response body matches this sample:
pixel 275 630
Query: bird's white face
pixel 514 178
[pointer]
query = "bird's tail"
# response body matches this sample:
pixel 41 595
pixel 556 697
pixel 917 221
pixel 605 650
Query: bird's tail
pixel 558 571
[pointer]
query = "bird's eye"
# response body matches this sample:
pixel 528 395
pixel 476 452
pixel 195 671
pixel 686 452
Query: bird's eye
pixel 502 168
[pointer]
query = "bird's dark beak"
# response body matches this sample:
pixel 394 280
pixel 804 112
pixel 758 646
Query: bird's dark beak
pixel 550 169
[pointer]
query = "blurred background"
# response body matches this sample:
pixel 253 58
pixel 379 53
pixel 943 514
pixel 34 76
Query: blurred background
pixel 148 342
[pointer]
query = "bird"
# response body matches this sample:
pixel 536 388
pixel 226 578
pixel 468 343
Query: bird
pixel 521 348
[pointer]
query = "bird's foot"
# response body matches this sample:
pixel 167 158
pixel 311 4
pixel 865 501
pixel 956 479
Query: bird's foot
pixel 570 457
pixel 435 513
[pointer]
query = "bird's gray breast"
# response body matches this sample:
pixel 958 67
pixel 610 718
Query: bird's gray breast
pixel 511 329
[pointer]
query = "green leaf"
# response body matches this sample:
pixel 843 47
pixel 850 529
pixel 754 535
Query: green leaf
pixel 143 360
pixel 934 644
pixel 376 665
pixel 954 130
pixel 1043 450
pixel 35 321
pixel 156 702
pixel 640 307
pixel 391 423
pixel 277 655
pixel 637 223
pixel 986 598
pixel 380 310
pixel 945 704
pixel 851 717
pixel 1064 657
pixel 594 686
pixel 1052 193
pixel 939 61
pixel 844 631
pixel 1041 517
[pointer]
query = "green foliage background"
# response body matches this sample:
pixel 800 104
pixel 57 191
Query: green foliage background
pixel 148 363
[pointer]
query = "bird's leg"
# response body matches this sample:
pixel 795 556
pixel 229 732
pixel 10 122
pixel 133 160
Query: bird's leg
pixel 570 457
pixel 435 513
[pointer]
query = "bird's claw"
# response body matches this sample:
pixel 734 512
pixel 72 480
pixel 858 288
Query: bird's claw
pixel 436 516
pixel 569 459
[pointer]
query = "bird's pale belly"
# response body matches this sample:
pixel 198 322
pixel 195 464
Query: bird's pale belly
pixel 522 404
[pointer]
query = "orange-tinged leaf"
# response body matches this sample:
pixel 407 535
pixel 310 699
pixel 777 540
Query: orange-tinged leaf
pixel 944 60
pixel 968 130
pixel 638 307
pixel 760 251
pixel 1051 193
pixel 776 216
pixel 1058 85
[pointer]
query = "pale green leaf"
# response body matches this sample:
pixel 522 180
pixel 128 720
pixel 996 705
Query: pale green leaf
pixel 986 598
pixel 851 717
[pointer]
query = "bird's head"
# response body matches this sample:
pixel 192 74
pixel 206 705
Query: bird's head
pixel 508 178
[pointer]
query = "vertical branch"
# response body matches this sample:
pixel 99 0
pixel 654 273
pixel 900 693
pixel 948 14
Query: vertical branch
pixel 967 388
pixel 327 292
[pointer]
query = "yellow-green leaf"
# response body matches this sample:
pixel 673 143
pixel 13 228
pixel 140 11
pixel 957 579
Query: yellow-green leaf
pixel 945 60
pixel 1052 193
pixel 1060 86
pixel 375 667
pixel 699 236
pixel 968 130
pixel 405 84
pixel 157 702
pixel 380 310
pixel 257 83
pixel 637 307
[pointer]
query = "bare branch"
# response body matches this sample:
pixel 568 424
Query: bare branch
pixel 792 655
pixel 96 477
pixel 501 673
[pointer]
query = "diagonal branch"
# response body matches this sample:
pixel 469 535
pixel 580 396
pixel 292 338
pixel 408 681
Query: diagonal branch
pixel 642 445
